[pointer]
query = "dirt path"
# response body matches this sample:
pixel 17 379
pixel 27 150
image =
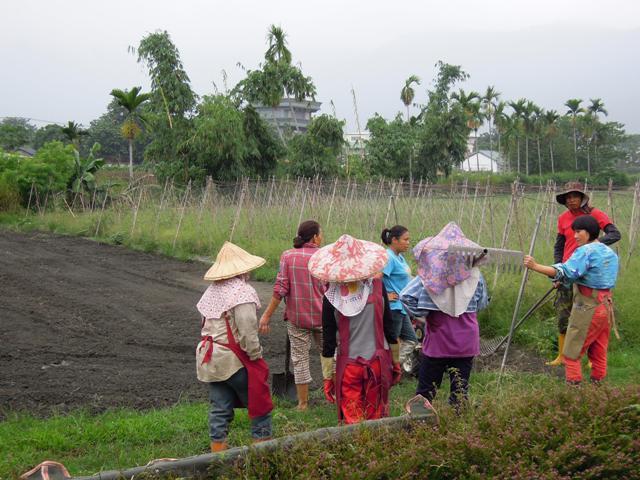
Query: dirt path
pixel 94 325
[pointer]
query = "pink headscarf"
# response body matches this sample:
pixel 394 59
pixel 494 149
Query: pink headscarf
pixel 223 295
pixel 437 268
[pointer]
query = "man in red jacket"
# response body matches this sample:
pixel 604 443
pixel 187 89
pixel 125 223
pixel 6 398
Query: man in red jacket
pixel 576 200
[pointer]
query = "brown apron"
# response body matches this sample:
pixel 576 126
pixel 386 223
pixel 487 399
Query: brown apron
pixel 582 313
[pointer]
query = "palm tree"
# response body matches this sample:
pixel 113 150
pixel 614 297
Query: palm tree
pixel 574 107
pixel 489 101
pixel 73 131
pixel 551 131
pixel 537 127
pixel 500 119
pixel 518 112
pixel 277 51
pixel 470 105
pixel 407 93
pixel 596 107
pixel 131 100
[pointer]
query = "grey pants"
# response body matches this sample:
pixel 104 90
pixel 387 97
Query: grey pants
pixel 222 398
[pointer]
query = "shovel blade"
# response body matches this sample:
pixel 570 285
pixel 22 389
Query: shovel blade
pixel 283 386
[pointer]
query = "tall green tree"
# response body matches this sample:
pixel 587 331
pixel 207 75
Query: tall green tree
pixel 390 145
pixel 171 105
pixel 277 51
pixel 574 109
pixel 517 120
pixel 131 100
pixel 470 105
pixel 596 107
pixel 15 132
pixel 442 130
pixel 316 151
pixel 407 94
pixel 276 78
pixel 46 134
pixel 551 131
pixel 74 132
pixel 490 105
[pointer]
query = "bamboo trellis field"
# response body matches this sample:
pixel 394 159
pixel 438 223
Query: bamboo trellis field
pixel 263 215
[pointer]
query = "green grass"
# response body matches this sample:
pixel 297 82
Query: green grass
pixel 123 438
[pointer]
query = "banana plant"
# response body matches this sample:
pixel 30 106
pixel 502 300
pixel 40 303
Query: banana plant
pixel 83 179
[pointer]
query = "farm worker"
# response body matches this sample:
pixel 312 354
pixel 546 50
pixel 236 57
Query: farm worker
pixel 592 271
pixel 303 311
pixel 355 308
pixel 229 356
pixel 449 293
pixel 577 202
pixel 396 276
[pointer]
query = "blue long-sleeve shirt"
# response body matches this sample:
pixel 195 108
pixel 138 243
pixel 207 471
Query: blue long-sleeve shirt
pixel 593 265
pixel 418 302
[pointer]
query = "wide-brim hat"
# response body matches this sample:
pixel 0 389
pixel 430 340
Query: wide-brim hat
pixel 438 268
pixel 570 187
pixel 232 261
pixel 348 260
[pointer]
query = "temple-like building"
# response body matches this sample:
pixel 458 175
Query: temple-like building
pixel 290 115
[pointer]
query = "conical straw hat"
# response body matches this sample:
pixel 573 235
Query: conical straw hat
pixel 231 261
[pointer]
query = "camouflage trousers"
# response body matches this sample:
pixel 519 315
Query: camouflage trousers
pixel 563 304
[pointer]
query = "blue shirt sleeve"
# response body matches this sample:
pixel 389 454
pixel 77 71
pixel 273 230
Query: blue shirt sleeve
pixel 574 268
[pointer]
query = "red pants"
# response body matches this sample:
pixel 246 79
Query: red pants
pixel 361 393
pixel 595 345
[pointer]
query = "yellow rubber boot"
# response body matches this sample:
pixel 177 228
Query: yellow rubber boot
pixel 558 360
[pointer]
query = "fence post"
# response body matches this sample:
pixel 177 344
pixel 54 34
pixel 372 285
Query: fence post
pixel 184 207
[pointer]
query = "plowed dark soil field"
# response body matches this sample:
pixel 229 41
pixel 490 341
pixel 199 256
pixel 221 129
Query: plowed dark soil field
pixel 94 325
pixel 85 324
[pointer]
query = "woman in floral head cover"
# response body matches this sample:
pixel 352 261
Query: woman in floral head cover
pixel 449 293
pixel 356 307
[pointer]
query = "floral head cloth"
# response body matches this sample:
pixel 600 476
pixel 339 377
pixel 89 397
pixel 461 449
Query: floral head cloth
pixel 437 267
pixel 348 260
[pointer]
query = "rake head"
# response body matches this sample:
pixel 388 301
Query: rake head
pixel 507 261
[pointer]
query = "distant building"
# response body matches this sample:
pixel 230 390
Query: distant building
pixel 355 142
pixel 483 161
pixel 290 115
pixel 25 151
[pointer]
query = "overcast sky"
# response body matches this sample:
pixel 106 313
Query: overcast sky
pixel 61 58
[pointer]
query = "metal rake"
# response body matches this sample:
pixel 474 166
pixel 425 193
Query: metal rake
pixel 491 346
pixel 507 261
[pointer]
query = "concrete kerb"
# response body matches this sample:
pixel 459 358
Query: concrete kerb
pixel 198 466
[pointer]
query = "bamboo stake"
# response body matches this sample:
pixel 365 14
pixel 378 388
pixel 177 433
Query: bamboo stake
pixel 523 283
pixel 304 201
pixel 104 201
pixel 135 212
pixel 162 197
pixel 484 209
pixel 505 232
pixel 29 203
pixel 237 215
pixel 184 207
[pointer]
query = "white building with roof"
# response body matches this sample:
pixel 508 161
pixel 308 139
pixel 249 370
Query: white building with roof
pixel 483 161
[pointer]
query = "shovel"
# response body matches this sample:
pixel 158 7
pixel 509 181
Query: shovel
pixel 283 385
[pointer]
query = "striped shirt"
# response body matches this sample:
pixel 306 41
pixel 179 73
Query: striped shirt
pixel 302 292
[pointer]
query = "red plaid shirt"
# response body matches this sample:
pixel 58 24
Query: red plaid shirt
pixel 302 292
